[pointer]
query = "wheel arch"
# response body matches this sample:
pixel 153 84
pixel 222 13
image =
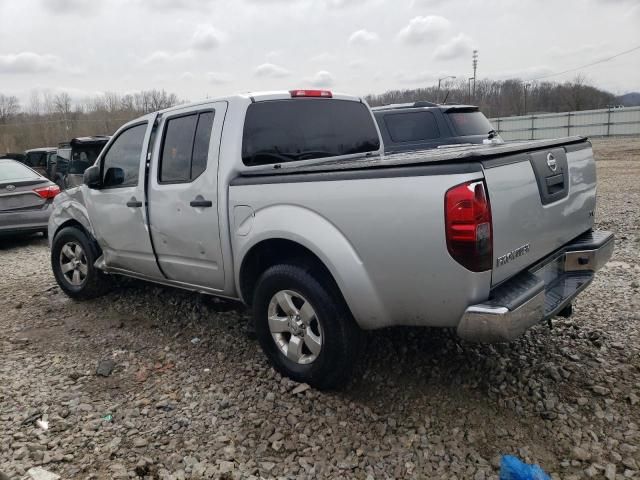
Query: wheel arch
pixel 275 251
pixel 287 233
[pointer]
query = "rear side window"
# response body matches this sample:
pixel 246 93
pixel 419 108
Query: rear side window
pixel 15 172
pixel 470 123
pixel 185 147
pixel 37 159
pixel 412 126
pixel 201 144
pixel 281 131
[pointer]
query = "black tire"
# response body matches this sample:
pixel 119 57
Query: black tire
pixel 95 283
pixel 341 337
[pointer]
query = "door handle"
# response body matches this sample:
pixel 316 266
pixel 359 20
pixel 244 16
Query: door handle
pixel 201 203
pixel 133 203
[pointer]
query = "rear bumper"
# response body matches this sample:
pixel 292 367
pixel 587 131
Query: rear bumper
pixel 538 293
pixel 25 220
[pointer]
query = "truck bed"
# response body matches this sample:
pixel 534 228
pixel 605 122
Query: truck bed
pixel 453 154
pixel 535 208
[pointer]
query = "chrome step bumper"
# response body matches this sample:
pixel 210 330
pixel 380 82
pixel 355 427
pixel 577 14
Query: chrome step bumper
pixel 539 293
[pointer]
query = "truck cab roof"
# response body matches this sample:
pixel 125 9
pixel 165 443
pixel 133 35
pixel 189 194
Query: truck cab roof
pixel 253 97
pixel 41 149
pixel 92 140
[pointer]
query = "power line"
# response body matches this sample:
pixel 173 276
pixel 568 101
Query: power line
pixel 602 60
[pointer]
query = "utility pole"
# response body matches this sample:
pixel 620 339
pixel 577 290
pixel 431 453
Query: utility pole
pixel 469 95
pixel 475 67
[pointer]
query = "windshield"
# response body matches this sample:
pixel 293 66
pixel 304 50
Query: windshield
pixel 83 157
pixel 281 131
pixel 470 123
pixel 11 171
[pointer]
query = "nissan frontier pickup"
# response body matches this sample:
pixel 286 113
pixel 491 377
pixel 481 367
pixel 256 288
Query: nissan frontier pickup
pixel 285 200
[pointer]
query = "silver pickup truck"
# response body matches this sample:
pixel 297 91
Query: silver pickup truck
pixel 286 201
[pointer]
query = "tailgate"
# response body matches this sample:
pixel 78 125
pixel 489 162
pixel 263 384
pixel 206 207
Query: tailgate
pixel 540 200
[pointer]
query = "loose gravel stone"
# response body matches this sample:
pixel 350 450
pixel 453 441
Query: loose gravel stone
pixel 105 367
pixel 423 405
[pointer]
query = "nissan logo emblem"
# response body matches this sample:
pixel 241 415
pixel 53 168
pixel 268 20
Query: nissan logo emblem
pixel 551 162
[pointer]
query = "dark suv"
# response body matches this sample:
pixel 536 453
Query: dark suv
pixel 423 125
pixel 76 156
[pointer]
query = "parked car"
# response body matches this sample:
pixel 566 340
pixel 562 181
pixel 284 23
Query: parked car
pixel 13 156
pixel 42 160
pixel 75 156
pixel 421 125
pixel 285 201
pixel 26 199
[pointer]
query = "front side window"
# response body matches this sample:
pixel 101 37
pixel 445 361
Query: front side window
pixel 121 164
pixel 280 131
pixel 412 126
pixel 185 147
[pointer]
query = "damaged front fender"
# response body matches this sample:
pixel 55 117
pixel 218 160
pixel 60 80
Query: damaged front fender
pixel 69 206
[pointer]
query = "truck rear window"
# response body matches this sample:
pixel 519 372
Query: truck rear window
pixel 280 131
pixel 411 126
pixel 470 123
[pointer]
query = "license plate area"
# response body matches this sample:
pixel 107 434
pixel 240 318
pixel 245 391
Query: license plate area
pixel 20 201
pixel 551 270
pixel 560 286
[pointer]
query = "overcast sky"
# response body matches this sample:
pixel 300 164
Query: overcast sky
pixel 200 48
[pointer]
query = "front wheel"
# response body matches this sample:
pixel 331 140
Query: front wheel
pixel 304 327
pixel 72 259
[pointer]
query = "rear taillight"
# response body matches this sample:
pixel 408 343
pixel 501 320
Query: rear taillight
pixel 47 192
pixel 467 216
pixel 311 93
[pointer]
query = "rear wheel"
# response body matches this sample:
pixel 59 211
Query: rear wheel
pixel 304 327
pixel 72 259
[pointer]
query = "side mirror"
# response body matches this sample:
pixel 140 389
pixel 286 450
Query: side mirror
pixel 113 176
pixel 91 177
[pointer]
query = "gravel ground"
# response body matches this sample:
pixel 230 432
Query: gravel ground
pixel 188 395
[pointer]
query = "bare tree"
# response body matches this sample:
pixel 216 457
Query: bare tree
pixel 506 97
pixel 62 103
pixel 35 104
pixel 9 106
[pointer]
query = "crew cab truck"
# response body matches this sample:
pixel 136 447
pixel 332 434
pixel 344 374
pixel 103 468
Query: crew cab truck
pixel 286 201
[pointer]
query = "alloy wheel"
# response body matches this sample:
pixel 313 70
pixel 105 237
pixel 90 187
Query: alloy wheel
pixel 73 263
pixel 295 327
